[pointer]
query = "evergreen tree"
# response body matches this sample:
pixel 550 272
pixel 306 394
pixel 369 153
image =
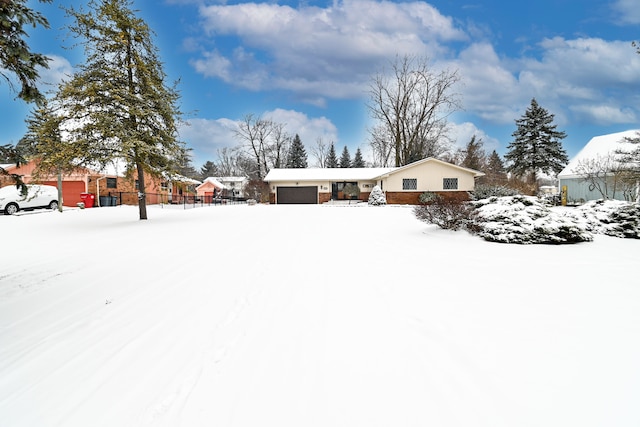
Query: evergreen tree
pixel 15 55
pixel 297 154
pixel 208 169
pixel 358 161
pixel 537 145
pixel 332 159
pixel 495 169
pixel 345 158
pixel 118 104
pixel 474 155
pixel 43 140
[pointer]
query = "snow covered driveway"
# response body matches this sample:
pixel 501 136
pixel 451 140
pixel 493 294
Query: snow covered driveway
pixel 309 316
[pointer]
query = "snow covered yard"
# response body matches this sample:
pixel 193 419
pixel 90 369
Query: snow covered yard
pixel 309 316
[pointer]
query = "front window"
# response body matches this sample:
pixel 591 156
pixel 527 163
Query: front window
pixel 112 183
pixel 410 184
pixel 450 183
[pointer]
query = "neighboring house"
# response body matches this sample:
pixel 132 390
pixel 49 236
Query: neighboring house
pixel 234 185
pixel 210 188
pixel 401 185
pixel 595 174
pixel 179 189
pixel 225 186
pixel 110 186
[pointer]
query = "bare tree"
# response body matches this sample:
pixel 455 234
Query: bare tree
pixel 320 152
pixel 412 105
pixel 604 174
pixel 381 146
pixel 278 146
pixel 253 134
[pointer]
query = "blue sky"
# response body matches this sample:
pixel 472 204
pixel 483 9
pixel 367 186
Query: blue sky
pixel 308 64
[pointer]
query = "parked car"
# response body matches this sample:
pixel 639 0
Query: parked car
pixel 38 197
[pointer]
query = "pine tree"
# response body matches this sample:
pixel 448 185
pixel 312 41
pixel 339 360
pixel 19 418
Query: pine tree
pixel 15 55
pixel 474 155
pixel 332 159
pixel 297 154
pixel 208 169
pixel 118 103
pixel 537 145
pixel 495 169
pixel 345 158
pixel 358 161
pixel 43 140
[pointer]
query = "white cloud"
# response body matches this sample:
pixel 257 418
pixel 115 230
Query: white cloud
pixel 579 80
pixel 324 50
pixel 309 129
pixel 461 134
pixel 205 136
pixel 59 69
pixel 605 114
pixel 627 11
pixel 320 53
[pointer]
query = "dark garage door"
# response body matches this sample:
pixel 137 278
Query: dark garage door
pixel 297 195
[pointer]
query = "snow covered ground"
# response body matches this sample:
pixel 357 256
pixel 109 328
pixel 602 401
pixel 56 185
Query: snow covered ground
pixel 294 316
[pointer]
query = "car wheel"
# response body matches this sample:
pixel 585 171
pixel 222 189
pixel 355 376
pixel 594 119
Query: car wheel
pixel 11 208
pixel 53 205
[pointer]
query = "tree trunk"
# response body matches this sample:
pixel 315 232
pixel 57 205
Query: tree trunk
pixel 142 197
pixel 59 191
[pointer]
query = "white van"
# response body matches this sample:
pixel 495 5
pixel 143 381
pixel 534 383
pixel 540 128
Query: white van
pixel 38 197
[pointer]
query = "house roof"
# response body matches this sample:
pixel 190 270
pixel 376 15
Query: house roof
pixel 326 174
pixel 212 180
pixel 599 146
pixel 350 174
pixel 230 178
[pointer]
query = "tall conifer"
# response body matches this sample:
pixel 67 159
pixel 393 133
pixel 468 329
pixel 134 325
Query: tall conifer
pixel 536 146
pixel 332 158
pixel 297 154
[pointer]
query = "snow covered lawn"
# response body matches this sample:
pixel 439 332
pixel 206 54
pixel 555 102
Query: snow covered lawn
pixel 301 316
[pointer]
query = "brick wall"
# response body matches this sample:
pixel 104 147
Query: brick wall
pixel 412 197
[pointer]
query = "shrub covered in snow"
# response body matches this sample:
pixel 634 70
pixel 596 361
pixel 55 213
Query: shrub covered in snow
pixel 446 213
pixel 524 220
pixel 377 197
pixel 611 217
pixel 484 191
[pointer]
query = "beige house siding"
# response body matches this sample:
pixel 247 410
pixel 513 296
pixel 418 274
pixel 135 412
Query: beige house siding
pixel 425 175
pixel 429 177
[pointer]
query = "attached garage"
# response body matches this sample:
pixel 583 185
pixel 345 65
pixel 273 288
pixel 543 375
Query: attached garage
pixel 297 195
pixel 70 191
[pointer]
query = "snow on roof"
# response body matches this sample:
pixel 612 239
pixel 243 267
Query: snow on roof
pixel 598 146
pixel 214 181
pixel 230 178
pixel 348 174
pixel 326 174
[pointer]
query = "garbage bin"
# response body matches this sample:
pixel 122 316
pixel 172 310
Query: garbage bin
pixel 88 199
pixel 108 201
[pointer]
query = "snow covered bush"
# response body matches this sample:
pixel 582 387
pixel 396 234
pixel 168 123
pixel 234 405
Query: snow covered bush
pixel 484 191
pixel 611 217
pixel 524 220
pixel 445 212
pixel 377 197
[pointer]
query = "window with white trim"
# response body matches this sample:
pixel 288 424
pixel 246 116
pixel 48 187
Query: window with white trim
pixel 450 183
pixel 409 183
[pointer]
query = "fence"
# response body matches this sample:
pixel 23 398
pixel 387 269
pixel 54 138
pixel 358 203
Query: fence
pixel 185 200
